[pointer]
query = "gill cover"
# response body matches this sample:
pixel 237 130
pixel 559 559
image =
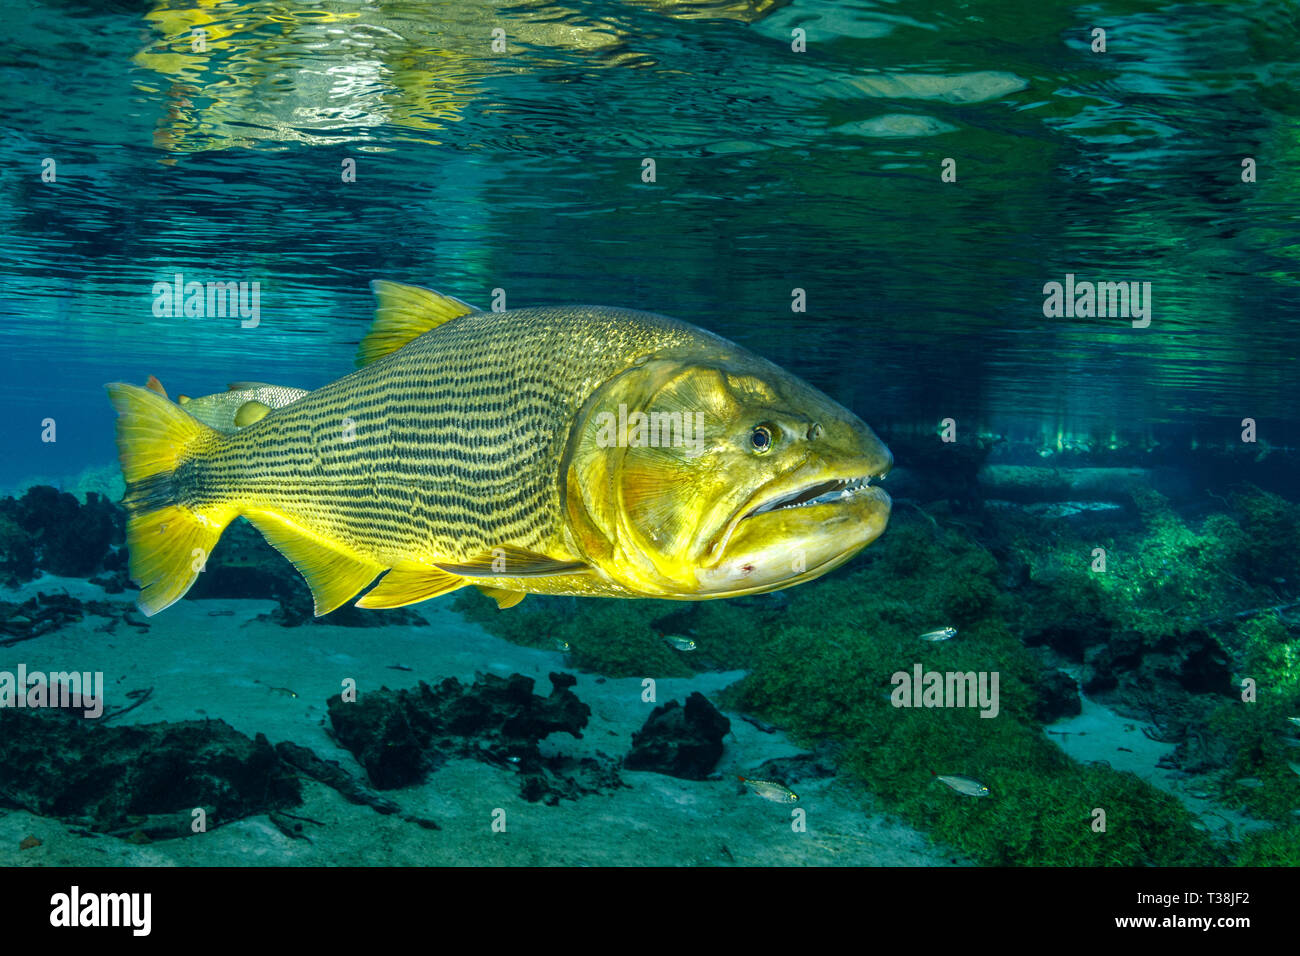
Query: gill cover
pixel 642 475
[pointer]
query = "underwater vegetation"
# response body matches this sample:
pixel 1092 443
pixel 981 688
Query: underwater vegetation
pixel 141 781
pixel 1155 636
pixel 1190 604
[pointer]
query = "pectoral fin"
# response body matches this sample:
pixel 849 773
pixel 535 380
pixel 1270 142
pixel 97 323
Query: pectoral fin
pixel 403 586
pixel 508 562
pixel 250 413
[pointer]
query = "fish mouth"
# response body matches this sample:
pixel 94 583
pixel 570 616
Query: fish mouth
pixel 828 491
pixel 816 493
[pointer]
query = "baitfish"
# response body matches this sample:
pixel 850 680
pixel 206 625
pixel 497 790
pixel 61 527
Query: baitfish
pixel 576 450
pixel 241 405
pixel 943 634
pixel 967 785
pixel 771 790
pixel 244 404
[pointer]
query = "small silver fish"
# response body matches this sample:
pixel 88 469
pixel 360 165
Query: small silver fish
pixel 1294 720
pixel 1254 783
pixel 943 634
pixel 770 790
pixel 282 691
pixel 967 785
pixel 679 642
pixel 562 645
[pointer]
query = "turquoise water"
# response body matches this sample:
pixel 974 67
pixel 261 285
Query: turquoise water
pixel 776 170
pixel 881 212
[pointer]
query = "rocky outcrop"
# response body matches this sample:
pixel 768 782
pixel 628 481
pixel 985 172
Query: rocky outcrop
pixel 681 741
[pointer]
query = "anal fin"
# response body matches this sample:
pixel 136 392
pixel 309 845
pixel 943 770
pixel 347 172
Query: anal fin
pixel 403 586
pixel 332 573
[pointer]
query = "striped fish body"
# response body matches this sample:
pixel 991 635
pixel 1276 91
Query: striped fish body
pixel 444 450
pixel 473 454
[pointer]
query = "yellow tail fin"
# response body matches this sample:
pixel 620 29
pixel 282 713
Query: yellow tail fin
pixel 168 540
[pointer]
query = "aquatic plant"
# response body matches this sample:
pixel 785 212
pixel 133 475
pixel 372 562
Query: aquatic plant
pixel 1265 744
pixel 821 658
pixel 614 638
pixel 17 554
pixel 1280 847
pixel 832 678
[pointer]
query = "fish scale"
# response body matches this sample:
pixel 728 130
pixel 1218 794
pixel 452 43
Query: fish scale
pixel 480 448
pixel 441 415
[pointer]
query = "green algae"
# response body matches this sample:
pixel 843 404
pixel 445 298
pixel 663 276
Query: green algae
pixel 820 660
pixel 831 679
pixel 1279 847
pixel 1265 744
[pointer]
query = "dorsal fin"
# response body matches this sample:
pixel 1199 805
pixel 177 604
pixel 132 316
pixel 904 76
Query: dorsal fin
pixel 245 386
pixel 404 313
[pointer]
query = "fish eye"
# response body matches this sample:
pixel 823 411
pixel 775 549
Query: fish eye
pixel 761 438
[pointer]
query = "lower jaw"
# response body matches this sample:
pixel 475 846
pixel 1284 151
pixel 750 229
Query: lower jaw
pixel 742 586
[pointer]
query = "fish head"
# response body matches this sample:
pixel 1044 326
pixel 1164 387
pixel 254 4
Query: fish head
pixel 702 479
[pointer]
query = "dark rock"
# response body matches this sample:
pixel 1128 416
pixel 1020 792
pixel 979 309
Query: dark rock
pixel 400 736
pixel 116 779
pixel 70 539
pixel 1106 663
pixel 1187 661
pixel 17 554
pixel 1069 640
pixel 566 778
pixel 1200 662
pixel 114 583
pixel 1058 696
pixel 680 741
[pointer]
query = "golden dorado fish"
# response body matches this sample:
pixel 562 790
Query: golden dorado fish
pixel 244 404
pixel 575 450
